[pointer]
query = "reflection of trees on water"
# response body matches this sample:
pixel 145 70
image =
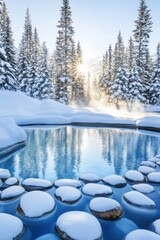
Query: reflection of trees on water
pixel 125 149
pixel 59 153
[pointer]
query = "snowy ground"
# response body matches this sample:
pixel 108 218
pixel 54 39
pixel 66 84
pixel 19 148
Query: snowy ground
pixel 19 109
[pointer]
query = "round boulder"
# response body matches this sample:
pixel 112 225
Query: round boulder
pixel 146 170
pixel 78 225
pixel 36 204
pixel 156 226
pixel 11 227
pixel 31 184
pixel 4 173
pixel 115 181
pixel 148 164
pixel 89 178
pixel 134 176
pixel 142 234
pixel 10 182
pixel 139 199
pixel 154 177
pixel 68 182
pixel 143 188
pixel 67 194
pixel 95 190
pixel 106 208
pixel 12 192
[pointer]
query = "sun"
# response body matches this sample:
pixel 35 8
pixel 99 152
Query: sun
pixel 83 69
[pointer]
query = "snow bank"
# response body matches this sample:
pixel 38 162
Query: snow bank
pixel 17 108
pixel 10 133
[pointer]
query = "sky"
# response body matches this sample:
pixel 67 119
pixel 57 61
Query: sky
pixel 96 22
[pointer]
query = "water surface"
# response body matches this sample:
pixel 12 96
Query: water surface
pixel 67 152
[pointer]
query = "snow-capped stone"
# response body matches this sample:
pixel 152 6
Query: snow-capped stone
pixel 143 188
pixel 138 199
pixel 68 194
pixel 115 181
pixel 154 159
pixel 67 182
pixel 154 177
pixel 89 178
pixel 11 181
pixel 157 156
pixel 36 204
pixel 4 173
pixel 146 170
pixel 11 227
pixel 48 236
pixel 156 226
pixel 149 164
pixel 78 225
pixel 95 190
pixel 141 234
pixel 134 176
pixel 12 192
pixel 36 184
pixel 106 208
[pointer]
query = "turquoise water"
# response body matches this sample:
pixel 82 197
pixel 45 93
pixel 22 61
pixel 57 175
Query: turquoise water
pixel 67 152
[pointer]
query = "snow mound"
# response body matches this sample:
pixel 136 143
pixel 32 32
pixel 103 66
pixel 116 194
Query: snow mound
pixel 78 225
pixel 12 192
pixel 143 188
pixel 67 182
pixel 11 181
pixel 115 181
pixel 89 177
pixel 154 177
pixel 138 199
pixel 36 184
pixel 149 164
pixel 10 133
pixel 49 236
pixel 156 226
pixel 105 208
pixel 36 204
pixel 145 170
pixel 4 173
pixel 68 194
pixel 142 234
pixel 134 176
pixel 93 189
pixel 154 159
pixel 10 227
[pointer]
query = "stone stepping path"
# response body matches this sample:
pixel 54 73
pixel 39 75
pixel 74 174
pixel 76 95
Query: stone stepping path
pixel 134 176
pixel 67 194
pixel 143 188
pixel 115 181
pixel 68 182
pixel 95 190
pixel 31 184
pixel 89 178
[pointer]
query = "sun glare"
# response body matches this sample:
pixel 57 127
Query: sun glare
pixel 83 68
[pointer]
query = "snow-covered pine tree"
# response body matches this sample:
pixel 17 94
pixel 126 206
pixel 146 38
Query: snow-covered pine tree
pixel 131 55
pixel 135 86
pixel 80 96
pixel 64 53
pixel 155 80
pixel 22 67
pixel 8 39
pixel 33 67
pixel 119 88
pixel 52 67
pixel 44 88
pixel 110 63
pixel 7 79
pixel 26 56
pixel 118 56
pixel 142 32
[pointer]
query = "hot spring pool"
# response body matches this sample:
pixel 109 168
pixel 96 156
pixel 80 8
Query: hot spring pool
pixel 67 152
